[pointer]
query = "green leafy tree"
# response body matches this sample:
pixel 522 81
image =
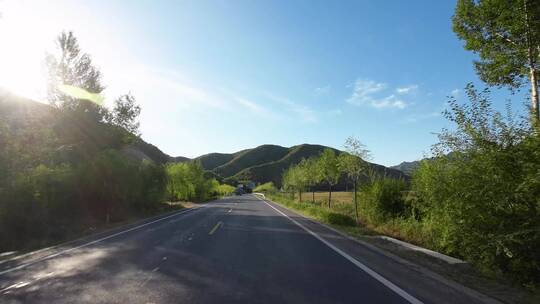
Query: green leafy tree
pixel 506 36
pixel 480 193
pixel 294 180
pixel 313 175
pixel 70 68
pixel 353 164
pixel 329 170
pixel 125 113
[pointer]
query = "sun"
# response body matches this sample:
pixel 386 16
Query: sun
pixel 25 37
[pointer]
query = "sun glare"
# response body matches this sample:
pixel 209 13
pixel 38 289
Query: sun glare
pixel 24 36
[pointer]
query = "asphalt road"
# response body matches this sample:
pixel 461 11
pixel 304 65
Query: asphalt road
pixel 235 250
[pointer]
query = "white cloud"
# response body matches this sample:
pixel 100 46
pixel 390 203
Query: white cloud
pixel 455 93
pixel 367 93
pixel 322 90
pixel 304 112
pixel 256 108
pixel 389 102
pixel 407 89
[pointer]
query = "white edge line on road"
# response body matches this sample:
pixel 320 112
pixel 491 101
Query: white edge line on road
pixel 93 242
pixel 358 264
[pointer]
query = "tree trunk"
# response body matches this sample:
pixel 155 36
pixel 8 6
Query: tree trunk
pixel 535 111
pixel 355 203
pixel 313 195
pixel 300 195
pixel 329 195
pixel 534 95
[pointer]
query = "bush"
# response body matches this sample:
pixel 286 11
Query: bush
pixel 339 219
pixel 224 189
pixel 482 198
pixel 383 198
pixel 189 182
pixel 266 188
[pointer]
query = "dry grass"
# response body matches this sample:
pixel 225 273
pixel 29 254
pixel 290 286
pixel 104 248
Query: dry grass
pixel 340 197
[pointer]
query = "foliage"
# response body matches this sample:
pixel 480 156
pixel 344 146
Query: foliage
pixel 62 169
pixel 506 35
pixel 483 197
pixel 70 66
pixel 224 190
pixel 353 164
pixel 266 188
pixel 328 166
pixel 125 113
pixel 187 182
pixel 383 198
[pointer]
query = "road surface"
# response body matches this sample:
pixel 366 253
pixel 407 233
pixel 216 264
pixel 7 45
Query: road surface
pixel 239 249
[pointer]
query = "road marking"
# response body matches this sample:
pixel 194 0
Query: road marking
pixel 229 211
pixel 215 228
pixel 357 263
pixel 94 242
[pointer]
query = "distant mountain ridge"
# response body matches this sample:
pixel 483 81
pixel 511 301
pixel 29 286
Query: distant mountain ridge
pixel 266 163
pixel 407 167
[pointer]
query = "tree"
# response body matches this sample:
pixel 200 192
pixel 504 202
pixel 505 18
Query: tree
pixel 313 176
pixel 301 176
pixel 125 113
pixel 354 164
pixel 73 80
pixel 329 170
pixel 506 36
pixel 294 179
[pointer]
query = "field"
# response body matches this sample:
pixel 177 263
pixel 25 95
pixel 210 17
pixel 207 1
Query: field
pixel 341 197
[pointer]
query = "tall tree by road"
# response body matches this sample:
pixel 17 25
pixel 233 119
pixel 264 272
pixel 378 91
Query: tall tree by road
pixel 506 36
pixel 329 170
pixel 124 114
pixel 69 66
pixel 313 176
pixel 354 164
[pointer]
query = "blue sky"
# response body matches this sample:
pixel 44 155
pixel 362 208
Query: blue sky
pixel 220 76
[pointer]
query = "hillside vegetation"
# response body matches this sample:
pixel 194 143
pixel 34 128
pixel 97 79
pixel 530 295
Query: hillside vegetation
pixel 74 166
pixel 267 163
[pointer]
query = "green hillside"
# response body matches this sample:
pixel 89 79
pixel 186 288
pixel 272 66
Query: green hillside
pixel 273 170
pixel 212 160
pixel 252 157
pixel 25 117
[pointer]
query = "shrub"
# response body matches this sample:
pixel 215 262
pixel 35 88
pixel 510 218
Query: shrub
pixel 383 198
pixel 266 188
pixel 339 219
pixel 481 193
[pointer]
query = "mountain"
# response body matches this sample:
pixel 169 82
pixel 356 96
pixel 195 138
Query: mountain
pixel 407 167
pixel 213 160
pixel 268 162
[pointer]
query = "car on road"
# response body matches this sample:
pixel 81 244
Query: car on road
pixel 239 191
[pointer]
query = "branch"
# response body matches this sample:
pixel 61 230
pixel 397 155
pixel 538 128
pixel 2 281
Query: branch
pixel 506 38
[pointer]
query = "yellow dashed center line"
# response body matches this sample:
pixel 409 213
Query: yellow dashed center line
pixel 215 228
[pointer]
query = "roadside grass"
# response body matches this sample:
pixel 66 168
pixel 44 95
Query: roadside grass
pixel 341 217
pixel 405 229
